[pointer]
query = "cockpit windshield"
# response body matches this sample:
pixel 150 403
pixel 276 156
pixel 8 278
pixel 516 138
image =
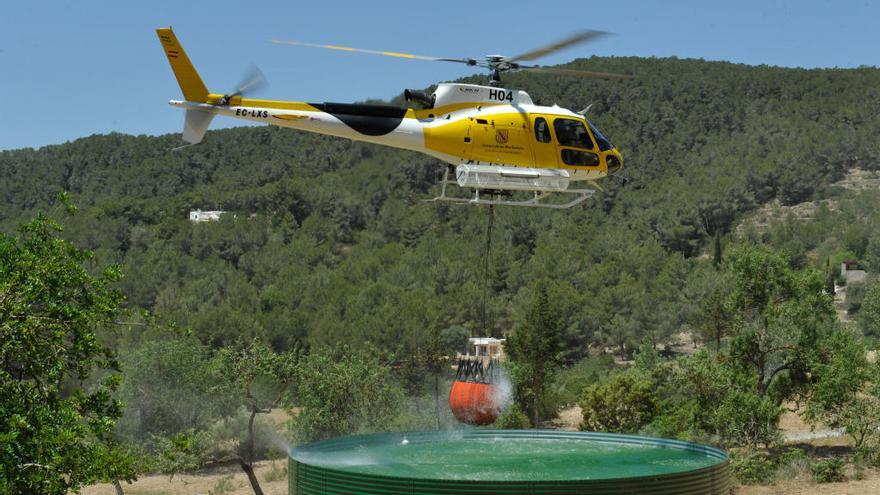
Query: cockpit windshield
pixel 604 143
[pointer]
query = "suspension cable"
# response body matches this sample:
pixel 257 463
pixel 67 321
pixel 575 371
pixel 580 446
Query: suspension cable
pixel 486 260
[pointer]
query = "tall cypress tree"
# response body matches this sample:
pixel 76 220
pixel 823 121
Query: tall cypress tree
pixel 535 350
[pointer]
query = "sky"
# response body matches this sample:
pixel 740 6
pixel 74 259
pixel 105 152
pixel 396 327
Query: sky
pixel 75 68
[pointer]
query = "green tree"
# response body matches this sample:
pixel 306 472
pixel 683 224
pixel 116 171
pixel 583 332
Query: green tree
pixel 167 388
pixel 781 315
pixel 623 404
pixel 869 314
pixel 434 357
pixel 707 397
pixel 54 431
pixel 343 392
pixel 455 339
pixel 714 315
pixel 255 377
pixel 846 391
pixel 535 351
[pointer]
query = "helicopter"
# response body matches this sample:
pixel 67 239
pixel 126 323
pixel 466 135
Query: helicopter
pixel 500 145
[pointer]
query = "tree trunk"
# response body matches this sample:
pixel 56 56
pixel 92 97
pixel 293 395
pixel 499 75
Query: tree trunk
pixel 118 486
pixel 437 400
pixel 247 465
pixel 534 411
pixel 249 471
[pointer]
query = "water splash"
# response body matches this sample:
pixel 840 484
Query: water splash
pixel 502 390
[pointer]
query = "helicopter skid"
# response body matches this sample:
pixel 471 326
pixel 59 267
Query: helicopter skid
pixel 495 196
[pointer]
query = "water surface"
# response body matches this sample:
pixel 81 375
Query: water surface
pixel 505 459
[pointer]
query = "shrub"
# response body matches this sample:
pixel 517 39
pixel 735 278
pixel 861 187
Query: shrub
pixel 512 418
pixel 571 382
pixel 624 404
pixel 868 455
pixel 277 472
pixel 344 392
pixel 185 451
pixel 828 470
pixel 680 419
pixel 751 467
pixel 225 484
pixel 792 464
pixel 855 296
pixel 745 418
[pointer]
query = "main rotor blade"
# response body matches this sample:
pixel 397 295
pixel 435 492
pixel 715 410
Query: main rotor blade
pixel 253 81
pixel 468 61
pixel 580 37
pixel 574 72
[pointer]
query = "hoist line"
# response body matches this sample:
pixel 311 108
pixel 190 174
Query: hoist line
pixel 486 281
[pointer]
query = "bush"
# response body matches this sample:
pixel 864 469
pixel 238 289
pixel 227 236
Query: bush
pixel 680 419
pixel 277 472
pixel 747 419
pixel 166 388
pixel 224 485
pixel 751 467
pixel 512 418
pixel 571 382
pixel 792 464
pixel 185 451
pixel 344 392
pixel 828 470
pixel 855 297
pixel 868 455
pixel 624 404
pixel 268 442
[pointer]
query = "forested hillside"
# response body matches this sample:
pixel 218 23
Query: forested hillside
pixel 330 241
pixel 331 290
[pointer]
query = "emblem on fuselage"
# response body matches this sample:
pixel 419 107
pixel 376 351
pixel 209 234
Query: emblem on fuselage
pixel 501 136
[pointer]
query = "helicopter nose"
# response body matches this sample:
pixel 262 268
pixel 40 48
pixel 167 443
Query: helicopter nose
pixel 614 161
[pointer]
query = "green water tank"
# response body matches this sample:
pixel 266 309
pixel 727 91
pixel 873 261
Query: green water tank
pixel 507 462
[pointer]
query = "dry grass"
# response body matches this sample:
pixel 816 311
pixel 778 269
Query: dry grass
pixel 228 480
pixel 867 486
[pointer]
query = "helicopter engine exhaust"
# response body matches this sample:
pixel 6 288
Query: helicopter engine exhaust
pixel 499 177
pixel 419 97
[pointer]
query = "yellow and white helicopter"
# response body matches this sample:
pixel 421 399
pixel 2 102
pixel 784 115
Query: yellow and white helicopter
pixel 496 140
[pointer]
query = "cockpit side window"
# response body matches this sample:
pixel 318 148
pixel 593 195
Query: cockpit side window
pixel 542 130
pixel 604 143
pixel 572 133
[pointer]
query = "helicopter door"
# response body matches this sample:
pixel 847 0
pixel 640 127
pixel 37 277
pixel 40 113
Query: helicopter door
pixel 499 141
pixel 543 148
pixel 576 147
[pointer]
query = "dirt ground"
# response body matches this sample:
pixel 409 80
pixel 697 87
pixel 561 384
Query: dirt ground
pixel 229 480
pixel 867 486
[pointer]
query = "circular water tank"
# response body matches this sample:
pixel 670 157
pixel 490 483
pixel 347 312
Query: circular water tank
pixel 509 462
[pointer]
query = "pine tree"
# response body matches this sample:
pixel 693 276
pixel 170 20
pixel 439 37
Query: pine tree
pixel 535 350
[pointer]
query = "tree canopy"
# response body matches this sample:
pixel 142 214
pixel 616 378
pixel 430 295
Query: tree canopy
pixel 56 413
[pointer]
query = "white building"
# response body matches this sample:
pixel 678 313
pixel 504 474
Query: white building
pixel 851 271
pixel 487 347
pixel 197 216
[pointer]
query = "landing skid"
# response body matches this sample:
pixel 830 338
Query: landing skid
pixel 536 201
